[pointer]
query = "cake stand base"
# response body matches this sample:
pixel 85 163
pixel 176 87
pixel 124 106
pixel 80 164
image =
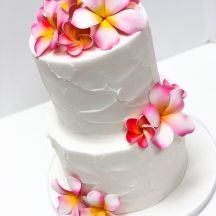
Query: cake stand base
pixel 195 190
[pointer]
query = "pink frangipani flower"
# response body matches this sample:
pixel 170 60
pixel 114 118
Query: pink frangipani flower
pixel 100 204
pixel 49 22
pixel 69 200
pixel 109 17
pixel 76 40
pixel 164 113
pixel 139 131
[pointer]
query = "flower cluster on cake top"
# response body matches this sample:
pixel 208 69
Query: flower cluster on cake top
pixel 161 118
pixel 79 202
pixel 77 25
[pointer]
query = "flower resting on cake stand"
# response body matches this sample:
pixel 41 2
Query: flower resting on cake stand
pixel 164 114
pixel 109 17
pixel 100 204
pixel 75 202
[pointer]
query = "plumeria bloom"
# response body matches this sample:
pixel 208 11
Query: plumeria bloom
pixel 69 200
pixel 49 22
pixel 109 17
pixel 164 113
pixel 139 131
pixel 76 40
pixel 100 204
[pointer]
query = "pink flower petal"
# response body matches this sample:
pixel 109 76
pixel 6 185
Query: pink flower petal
pixel 142 122
pixel 153 116
pixel 96 6
pixel 180 123
pixel 111 202
pixel 40 15
pixel 159 96
pixel 87 41
pixel 40 29
pixel 74 50
pixel 83 18
pixel 164 136
pixel 128 21
pixel 58 188
pixel 131 125
pixel 62 17
pixel 54 40
pixel 95 198
pixel 114 6
pixel 50 8
pixel 132 5
pixel 142 142
pixel 176 103
pixel 65 4
pixel 75 185
pixel 70 30
pixel 75 211
pixel 149 132
pixel 72 8
pixel 132 138
pixel 106 36
pixel 136 1
pixel 87 212
pixel 65 206
pixel 41 46
pixel 64 40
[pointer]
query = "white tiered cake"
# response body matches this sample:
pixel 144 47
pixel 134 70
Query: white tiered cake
pixel 93 96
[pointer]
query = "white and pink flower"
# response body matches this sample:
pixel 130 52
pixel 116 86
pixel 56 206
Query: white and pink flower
pixel 49 22
pixel 106 19
pixel 70 201
pixel 100 204
pixel 78 202
pixel 109 17
pixel 75 40
pixel 164 114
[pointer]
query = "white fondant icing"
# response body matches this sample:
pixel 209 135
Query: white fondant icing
pixel 141 178
pixel 98 91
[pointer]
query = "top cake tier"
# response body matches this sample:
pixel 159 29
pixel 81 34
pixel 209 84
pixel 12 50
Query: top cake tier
pixel 95 92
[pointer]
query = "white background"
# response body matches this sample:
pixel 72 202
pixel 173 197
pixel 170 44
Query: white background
pixel 177 25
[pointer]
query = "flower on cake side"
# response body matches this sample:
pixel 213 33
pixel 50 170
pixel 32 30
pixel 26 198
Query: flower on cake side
pixel 77 202
pixel 139 131
pixel 76 25
pixel 109 17
pixel 69 200
pixel 163 118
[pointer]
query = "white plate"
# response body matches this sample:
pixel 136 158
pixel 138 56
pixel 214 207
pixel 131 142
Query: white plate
pixel 194 192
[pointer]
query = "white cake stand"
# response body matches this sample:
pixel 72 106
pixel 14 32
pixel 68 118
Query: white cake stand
pixel 194 192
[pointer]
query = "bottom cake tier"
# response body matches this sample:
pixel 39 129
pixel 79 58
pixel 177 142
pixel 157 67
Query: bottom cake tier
pixel 139 177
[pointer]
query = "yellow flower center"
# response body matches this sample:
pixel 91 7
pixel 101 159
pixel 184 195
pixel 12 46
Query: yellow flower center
pixel 98 212
pixel 48 33
pixel 65 6
pixel 73 200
